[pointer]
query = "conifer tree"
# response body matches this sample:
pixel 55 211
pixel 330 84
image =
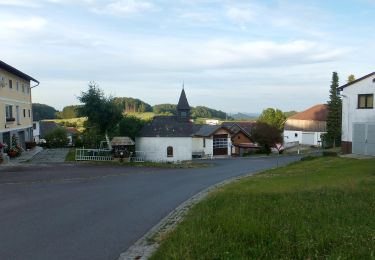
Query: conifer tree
pixel 333 135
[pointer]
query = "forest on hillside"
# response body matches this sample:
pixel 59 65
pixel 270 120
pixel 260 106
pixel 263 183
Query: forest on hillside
pixel 128 106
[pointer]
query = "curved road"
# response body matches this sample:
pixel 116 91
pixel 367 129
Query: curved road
pixel 70 211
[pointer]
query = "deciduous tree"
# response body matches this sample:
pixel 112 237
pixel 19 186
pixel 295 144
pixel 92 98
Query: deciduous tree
pixel 266 136
pixel 273 117
pixel 101 112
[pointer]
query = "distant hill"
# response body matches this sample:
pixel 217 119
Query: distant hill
pixel 133 105
pixel 43 111
pixel 69 112
pixel 245 116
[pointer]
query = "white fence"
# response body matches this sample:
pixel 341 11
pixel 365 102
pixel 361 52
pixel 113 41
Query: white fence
pixel 139 156
pixel 93 155
pixel 105 155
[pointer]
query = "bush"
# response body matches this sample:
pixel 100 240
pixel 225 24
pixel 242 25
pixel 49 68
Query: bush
pixel 329 153
pixel 30 145
pixel 57 138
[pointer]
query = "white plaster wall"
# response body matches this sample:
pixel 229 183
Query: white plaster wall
pixel 155 148
pixel 289 136
pixel 350 113
pixel 197 145
pixel 36 131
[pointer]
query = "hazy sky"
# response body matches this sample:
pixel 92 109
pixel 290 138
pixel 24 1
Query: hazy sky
pixel 233 55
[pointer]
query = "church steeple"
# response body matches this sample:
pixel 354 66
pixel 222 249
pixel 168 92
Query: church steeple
pixel 183 108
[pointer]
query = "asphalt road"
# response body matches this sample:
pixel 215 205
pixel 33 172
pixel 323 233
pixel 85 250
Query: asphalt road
pixel 91 212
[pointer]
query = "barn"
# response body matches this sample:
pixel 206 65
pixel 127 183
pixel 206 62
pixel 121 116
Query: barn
pixel 307 126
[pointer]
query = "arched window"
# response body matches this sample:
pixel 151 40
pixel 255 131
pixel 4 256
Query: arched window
pixel 169 151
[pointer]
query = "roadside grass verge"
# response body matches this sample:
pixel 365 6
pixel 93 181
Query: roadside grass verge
pixel 71 156
pixel 318 208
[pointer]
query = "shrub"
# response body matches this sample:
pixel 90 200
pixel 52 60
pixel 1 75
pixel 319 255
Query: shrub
pixel 329 153
pixel 30 145
pixel 57 138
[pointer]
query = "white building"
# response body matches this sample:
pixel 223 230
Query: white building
pixel 307 127
pixel 176 138
pixel 358 116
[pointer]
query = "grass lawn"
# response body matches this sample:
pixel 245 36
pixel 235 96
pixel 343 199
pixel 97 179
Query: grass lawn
pixel 71 156
pixel 313 209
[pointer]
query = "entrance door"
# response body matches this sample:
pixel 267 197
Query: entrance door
pixel 21 139
pixel 363 138
pixel 371 139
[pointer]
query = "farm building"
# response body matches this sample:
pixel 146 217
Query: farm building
pixel 307 127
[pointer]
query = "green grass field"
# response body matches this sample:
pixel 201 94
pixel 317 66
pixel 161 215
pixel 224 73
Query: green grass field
pixel 321 208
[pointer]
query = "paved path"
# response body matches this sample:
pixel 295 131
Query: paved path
pixel 72 211
pixel 56 155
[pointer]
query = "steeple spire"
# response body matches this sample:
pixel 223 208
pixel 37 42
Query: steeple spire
pixel 183 107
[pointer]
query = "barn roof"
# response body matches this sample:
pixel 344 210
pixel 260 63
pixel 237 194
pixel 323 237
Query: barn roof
pixel 315 113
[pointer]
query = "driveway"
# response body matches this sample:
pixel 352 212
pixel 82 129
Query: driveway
pixel 71 211
pixel 56 155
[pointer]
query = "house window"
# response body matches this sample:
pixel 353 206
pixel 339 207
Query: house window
pixel 23 88
pixel 238 137
pixel 10 84
pixel 204 142
pixel 169 151
pixel 9 113
pixel 29 113
pixel 295 134
pixel 34 126
pixel 24 113
pixel 365 101
pixel 183 114
pixel 17 86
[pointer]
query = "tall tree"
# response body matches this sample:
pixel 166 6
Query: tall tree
pixel 101 111
pixel 273 117
pixel 333 135
pixel 351 78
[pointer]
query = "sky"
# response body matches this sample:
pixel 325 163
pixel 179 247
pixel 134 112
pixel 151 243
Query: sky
pixel 236 56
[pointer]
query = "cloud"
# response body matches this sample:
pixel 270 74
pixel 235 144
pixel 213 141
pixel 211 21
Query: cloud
pixel 241 15
pixel 124 7
pixel 19 3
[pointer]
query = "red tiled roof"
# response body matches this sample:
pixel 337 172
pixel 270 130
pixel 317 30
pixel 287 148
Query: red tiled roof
pixel 315 113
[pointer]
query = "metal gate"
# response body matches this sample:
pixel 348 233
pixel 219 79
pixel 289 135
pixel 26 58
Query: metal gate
pixel 363 139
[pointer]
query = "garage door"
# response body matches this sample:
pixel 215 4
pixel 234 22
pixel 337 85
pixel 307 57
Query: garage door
pixel 220 144
pixel 363 139
pixel 308 138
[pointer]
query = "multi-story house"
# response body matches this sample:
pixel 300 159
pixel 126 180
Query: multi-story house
pixel 358 116
pixel 15 105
